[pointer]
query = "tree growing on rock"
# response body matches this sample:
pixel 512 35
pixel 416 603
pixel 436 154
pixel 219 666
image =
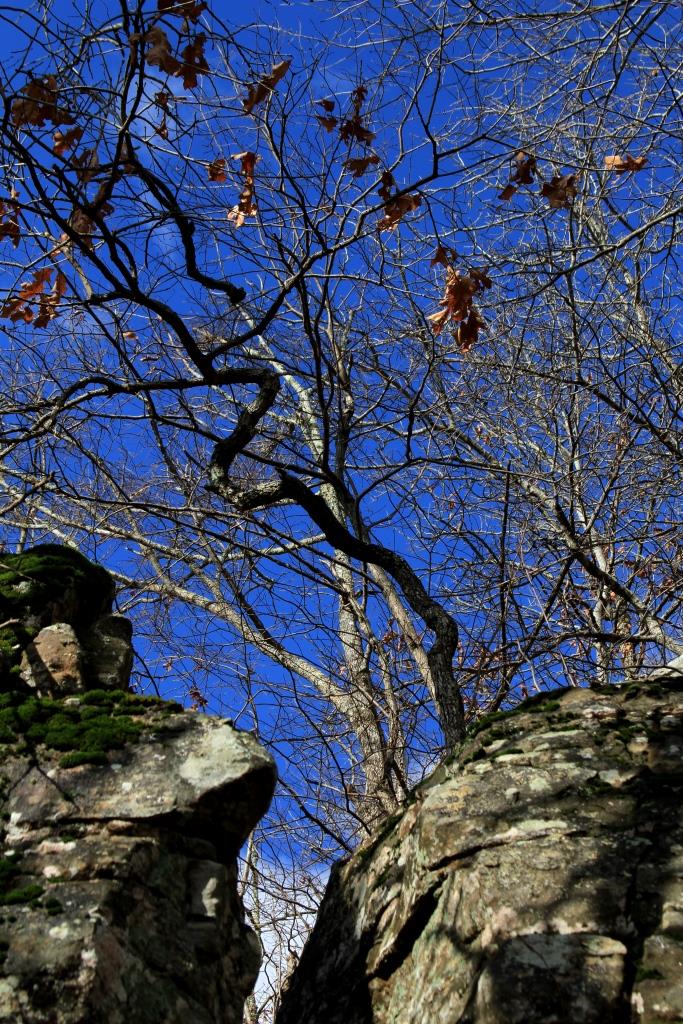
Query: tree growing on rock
pixel 350 345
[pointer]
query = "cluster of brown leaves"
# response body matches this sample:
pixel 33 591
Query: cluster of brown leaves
pixel 192 61
pixel 395 206
pixel 457 302
pixel 524 170
pixel 624 164
pixel 358 165
pixel 34 303
pixel 9 219
pixel 560 190
pixel 161 99
pixel 352 128
pixel 62 141
pixel 261 90
pixel 246 206
pixel 38 102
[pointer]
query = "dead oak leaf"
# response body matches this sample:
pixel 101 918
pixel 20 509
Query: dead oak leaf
pixel 467 333
pixel 38 102
pixel 624 164
pixel 159 54
pixel 560 190
pixel 524 171
pixel 66 140
pixel 9 219
pixel 261 90
pixel 246 207
pixel 358 165
pixel 193 62
pixel 216 169
pixel 444 255
pixel 456 303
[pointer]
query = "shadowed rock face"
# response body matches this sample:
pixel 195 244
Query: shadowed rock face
pixel 538 877
pixel 57 632
pixel 120 820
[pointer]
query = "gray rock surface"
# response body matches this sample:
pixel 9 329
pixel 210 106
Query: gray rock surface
pixel 120 896
pixel 120 820
pixel 57 631
pixel 537 878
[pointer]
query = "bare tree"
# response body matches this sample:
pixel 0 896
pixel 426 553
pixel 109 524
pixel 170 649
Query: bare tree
pixel 378 421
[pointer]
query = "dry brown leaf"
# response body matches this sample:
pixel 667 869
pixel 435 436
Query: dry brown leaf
pixel 246 207
pixel 467 333
pixel 159 54
pixel 353 129
pixel 84 227
pixel 327 105
pixel 261 90
pixel 623 164
pixel 395 207
pixel 65 140
pixel 216 169
pixel 359 164
pixel 386 183
pixel 9 227
pixel 328 123
pixel 524 170
pixel 193 62
pixel 443 255
pixel 161 99
pixel 457 299
pixel 560 190
pixel 18 307
pixel 38 102
pixel 48 304
pixel 86 164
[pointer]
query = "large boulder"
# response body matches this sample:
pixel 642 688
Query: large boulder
pixel 57 633
pixel 122 818
pixel 537 878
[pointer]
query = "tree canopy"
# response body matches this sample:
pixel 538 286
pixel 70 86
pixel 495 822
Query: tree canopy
pixel 347 337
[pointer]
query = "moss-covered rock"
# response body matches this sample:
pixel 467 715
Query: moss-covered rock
pixel 58 634
pixel 34 582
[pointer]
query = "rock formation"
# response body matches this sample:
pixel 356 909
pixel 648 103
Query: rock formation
pixel 121 820
pixel 537 878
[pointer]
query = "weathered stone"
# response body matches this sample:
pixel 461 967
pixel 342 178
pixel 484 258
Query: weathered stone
pixel 120 820
pixel 52 663
pixel 537 878
pixel 109 652
pixel 134 913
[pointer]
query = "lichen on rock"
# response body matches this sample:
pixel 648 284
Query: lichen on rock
pixel 120 820
pixel 536 878
pixel 57 633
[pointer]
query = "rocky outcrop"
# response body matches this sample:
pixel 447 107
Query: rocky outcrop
pixel 537 878
pixel 57 631
pixel 120 817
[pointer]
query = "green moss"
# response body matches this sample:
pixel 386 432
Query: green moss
pixel 85 730
pixel 648 973
pixel 43 572
pixel 53 906
pixel 24 894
